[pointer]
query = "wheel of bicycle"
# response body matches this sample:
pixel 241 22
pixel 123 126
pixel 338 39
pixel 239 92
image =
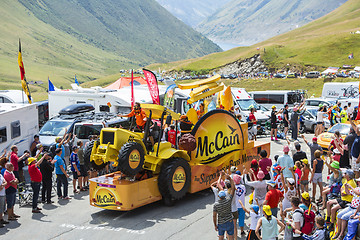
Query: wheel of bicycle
pixel 356 92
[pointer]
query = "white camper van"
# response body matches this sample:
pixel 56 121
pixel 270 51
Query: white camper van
pixel 337 90
pixel 278 98
pixel 18 125
pixel 13 96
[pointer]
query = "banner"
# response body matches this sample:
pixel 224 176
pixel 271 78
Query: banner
pixel 358 114
pixel 24 83
pixel 132 89
pixel 169 97
pixel 153 85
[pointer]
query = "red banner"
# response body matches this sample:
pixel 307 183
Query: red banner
pixel 153 86
pixel 132 90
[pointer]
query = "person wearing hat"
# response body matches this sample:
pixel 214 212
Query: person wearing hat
pixel 332 206
pixel 273 197
pixel 259 186
pixel 286 162
pixel 305 171
pixel 269 225
pixel 273 120
pixel 289 191
pixel 334 179
pixel 222 217
pixel 313 145
pixel 355 113
pixel 36 178
pixel 305 201
pixel 216 186
pixel 355 150
pixel 185 125
pixel 255 215
pixel 344 215
pixel 335 115
pixel 254 169
pixel 139 114
pixel 343 115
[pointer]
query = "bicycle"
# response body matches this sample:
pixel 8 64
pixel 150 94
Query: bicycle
pixel 350 92
pixel 299 96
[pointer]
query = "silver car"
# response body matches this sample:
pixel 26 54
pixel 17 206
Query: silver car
pixel 309 119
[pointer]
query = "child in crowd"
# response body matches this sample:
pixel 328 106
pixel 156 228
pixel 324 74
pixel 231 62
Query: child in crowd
pixel 75 168
pixel 277 179
pixel 290 191
pixel 304 180
pixel 239 197
pixel 320 232
pixel 297 174
pixel 255 215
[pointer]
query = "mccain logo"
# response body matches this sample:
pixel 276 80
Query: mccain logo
pixel 220 143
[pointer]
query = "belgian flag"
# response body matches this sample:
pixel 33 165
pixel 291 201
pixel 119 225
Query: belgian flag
pixel 24 83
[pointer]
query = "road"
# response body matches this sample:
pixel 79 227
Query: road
pixel 190 218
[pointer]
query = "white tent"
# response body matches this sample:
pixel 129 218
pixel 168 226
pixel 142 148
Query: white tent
pixel 357 69
pixel 330 70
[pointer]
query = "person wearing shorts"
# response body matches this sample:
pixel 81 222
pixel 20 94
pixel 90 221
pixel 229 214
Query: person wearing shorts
pixel 83 168
pixel 316 176
pixel 273 119
pixel 3 183
pixel 75 169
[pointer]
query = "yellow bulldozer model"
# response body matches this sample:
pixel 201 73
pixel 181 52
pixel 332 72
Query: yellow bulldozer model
pixel 170 173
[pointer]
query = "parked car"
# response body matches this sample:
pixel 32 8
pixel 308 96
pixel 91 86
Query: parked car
pixel 315 102
pixel 291 75
pixel 280 75
pixel 341 75
pixel 313 74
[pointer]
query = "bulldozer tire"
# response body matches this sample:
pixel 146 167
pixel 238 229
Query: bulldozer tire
pixel 87 153
pixel 174 179
pixel 131 158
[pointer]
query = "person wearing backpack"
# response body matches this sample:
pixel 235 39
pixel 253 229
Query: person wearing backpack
pixel 297 221
pixel 321 232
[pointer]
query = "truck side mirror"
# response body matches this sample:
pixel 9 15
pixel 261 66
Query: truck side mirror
pixel 168 119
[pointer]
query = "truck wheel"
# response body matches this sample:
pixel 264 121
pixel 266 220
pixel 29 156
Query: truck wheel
pixel 174 179
pixel 131 158
pixel 87 153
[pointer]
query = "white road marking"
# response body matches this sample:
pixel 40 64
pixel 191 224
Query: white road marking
pixel 98 227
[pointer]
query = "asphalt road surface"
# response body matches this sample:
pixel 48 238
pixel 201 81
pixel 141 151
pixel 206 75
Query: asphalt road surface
pixel 190 218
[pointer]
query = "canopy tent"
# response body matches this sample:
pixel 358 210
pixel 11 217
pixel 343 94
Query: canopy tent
pixel 125 82
pixel 330 70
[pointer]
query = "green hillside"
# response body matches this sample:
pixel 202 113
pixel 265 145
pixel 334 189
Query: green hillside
pixel 245 22
pixel 321 43
pixel 91 38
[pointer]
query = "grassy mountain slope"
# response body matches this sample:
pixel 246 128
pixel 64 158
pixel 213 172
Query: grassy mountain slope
pixel 142 30
pixel 246 22
pixel 61 38
pixel 321 43
pixel 192 12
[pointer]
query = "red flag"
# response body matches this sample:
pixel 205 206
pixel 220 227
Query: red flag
pixel 132 89
pixel 24 83
pixel 153 85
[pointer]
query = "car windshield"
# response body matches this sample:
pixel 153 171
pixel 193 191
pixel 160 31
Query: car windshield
pixel 84 131
pixel 313 111
pixel 344 129
pixel 54 128
pixel 245 105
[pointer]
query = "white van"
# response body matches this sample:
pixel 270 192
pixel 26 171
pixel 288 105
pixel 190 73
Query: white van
pixel 244 101
pixel 341 89
pixel 18 125
pixel 274 98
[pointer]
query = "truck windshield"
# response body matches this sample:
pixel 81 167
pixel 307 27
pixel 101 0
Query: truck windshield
pixel 245 105
pixel 54 128
pixel 84 131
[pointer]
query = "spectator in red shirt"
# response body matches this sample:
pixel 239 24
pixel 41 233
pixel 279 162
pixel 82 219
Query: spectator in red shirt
pixel 273 197
pixel 252 124
pixel 14 159
pixel 10 190
pixel 36 178
pixel 265 164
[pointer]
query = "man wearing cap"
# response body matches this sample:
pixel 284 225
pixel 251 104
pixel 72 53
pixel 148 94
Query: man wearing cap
pixel 313 147
pixel 286 162
pixel 355 112
pixel 222 217
pixel 273 197
pixel 335 115
pixel 269 225
pixel 36 178
pixel 355 150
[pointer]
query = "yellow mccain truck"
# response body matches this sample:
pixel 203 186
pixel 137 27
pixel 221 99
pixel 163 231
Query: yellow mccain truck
pixel 221 142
